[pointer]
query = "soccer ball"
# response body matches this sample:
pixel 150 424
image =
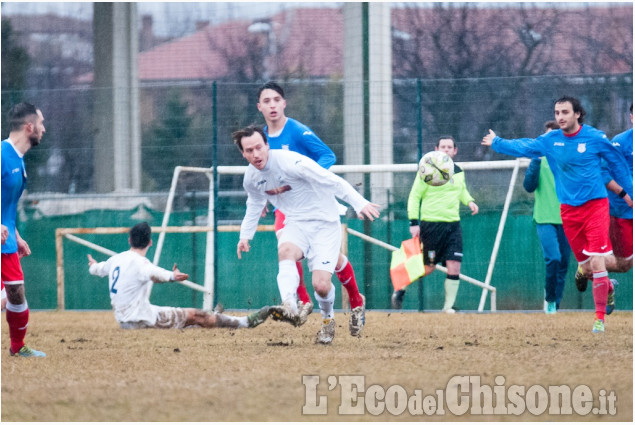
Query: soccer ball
pixel 436 168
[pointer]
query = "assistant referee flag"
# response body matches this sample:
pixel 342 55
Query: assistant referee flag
pixel 406 264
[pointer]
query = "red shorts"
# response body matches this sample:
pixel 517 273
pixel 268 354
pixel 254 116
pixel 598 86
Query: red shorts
pixel 279 223
pixel 587 228
pixel 621 234
pixel 11 270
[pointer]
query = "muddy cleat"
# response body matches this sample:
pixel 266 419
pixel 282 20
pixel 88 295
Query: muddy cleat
pixel 358 319
pixel 27 352
pixel 285 313
pixel 259 317
pixel 581 280
pixel 326 334
pixel 598 326
pixel 610 300
pixel 304 310
pixel 396 301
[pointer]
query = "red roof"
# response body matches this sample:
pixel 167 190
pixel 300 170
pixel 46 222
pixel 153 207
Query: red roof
pixel 310 42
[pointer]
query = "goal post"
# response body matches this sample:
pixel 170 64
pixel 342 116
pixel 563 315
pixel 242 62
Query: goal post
pixel 209 283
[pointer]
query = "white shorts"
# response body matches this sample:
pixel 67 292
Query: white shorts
pixel 320 242
pixel 165 318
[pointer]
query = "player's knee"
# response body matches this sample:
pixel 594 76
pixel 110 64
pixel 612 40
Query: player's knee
pixel 322 286
pixel 288 251
pixel 623 265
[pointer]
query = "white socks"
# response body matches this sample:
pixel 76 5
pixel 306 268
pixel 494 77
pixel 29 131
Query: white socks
pixel 326 304
pixel 288 281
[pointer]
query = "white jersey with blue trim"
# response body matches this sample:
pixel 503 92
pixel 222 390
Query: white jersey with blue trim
pixel 129 275
pixel 298 186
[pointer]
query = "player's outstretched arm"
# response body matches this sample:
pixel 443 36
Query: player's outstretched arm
pixel 489 138
pixel 370 211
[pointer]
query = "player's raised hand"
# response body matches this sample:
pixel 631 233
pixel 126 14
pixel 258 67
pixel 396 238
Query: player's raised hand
pixel 91 260
pixel 178 275
pixel 489 138
pixel 370 211
pixel 243 246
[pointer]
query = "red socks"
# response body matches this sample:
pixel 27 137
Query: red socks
pixel 346 275
pixel 303 295
pixel 601 287
pixel 18 321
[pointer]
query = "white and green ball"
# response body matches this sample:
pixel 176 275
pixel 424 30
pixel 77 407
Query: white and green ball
pixel 436 168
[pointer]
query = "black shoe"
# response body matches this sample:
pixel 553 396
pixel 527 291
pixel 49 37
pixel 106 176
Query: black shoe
pixel 581 281
pixel 396 301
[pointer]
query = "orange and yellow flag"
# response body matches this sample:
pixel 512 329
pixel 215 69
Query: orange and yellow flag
pixel 406 264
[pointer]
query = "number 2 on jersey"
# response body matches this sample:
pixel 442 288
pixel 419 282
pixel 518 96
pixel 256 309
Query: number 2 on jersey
pixel 115 277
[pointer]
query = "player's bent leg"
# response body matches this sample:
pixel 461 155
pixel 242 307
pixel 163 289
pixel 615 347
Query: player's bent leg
pixel 346 275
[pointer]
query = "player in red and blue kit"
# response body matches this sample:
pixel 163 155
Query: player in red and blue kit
pixel 621 227
pixel 287 133
pixel 26 130
pixel 575 154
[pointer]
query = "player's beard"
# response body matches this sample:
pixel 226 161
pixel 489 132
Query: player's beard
pixel 34 139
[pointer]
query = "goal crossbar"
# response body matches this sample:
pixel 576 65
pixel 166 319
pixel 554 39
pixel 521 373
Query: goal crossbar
pixel 383 168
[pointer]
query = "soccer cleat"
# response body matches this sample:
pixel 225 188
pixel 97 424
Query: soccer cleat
pixel 396 301
pixel 25 351
pixel 581 280
pixel 259 317
pixel 285 313
pixel 610 300
pixel 551 307
pixel 358 319
pixel 598 326
pixel 326 334
pixel 304 309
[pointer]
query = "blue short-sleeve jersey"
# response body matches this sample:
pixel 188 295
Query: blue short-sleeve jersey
pixel 13 183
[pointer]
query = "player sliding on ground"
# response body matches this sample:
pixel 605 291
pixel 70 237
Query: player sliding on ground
pixel 129 274
pixel 307 194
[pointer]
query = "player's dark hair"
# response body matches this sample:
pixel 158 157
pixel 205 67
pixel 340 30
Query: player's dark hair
pixel 20 114
pixel 551 125
pixel 446 137
pixel 237 136
pixel 140 235
pixel 271 85
pixel 575 103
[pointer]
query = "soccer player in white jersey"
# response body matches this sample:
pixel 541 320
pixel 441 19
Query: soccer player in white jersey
pixel 129 274
pixel 306 193
pixel 286 133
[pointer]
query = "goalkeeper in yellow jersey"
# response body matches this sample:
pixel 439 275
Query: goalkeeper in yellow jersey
pixel 433 212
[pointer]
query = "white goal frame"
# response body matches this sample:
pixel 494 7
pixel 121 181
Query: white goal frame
pixel 209 284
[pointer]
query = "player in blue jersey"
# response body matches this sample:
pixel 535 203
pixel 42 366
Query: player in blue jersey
pixel 26 130
pixel 287 133
pixel 575 153
pixel 621 215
